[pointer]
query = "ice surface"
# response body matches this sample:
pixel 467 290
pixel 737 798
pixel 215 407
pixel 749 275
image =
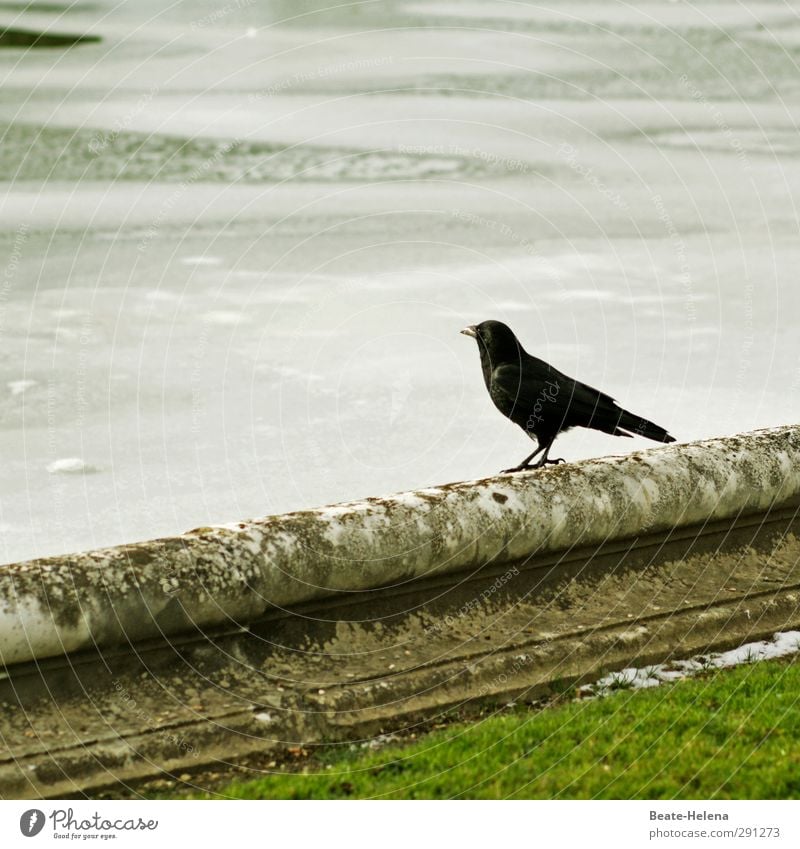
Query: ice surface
pixel 70 466
pixel 782 644
pixel 238 245
pixel 17 387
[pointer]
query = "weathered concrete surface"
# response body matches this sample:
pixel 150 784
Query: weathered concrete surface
pixel 349 667
pixel 230 575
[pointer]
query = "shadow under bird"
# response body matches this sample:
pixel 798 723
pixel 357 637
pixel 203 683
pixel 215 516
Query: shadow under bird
pixel 543 401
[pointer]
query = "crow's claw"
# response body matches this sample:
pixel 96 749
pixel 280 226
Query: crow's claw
pixel 554 462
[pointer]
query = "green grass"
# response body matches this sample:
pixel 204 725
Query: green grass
pixel 733 734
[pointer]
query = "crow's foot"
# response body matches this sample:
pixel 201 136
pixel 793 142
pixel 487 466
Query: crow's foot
pixel 529 467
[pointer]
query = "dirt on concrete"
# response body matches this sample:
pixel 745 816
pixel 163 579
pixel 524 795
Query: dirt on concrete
pixel 354 667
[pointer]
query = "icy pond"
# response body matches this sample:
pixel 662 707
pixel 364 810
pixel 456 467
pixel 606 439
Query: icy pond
pixel 239 240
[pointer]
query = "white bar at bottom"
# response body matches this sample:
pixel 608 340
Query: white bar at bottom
pixel 180 824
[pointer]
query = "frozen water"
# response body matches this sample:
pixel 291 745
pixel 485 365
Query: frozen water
pixel 239 240
pixel 70 466
pixel 782 644
pixel 17 387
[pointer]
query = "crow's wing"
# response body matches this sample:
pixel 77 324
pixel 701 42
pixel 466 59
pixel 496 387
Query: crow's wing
pixel 589 407
pixel 514 387
pixel 543 400
pixel 587 404
pixel 532 394
pixel 548 400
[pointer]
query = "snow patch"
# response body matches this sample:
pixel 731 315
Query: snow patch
pixel 201 260
pixel 71 466
pixel 18 387
pixel 782 644
pixel 263 717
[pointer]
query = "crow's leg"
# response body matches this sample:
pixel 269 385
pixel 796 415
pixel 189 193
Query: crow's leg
pixel 525 464
pixel 543 461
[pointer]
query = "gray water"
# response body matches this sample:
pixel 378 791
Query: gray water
pixel 239 240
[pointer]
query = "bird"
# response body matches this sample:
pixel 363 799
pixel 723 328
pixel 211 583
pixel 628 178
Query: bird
pixel 543 401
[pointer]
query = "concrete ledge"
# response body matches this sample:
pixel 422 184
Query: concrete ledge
pixel 233 574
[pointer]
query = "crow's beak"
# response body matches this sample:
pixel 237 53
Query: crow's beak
pixel 470 331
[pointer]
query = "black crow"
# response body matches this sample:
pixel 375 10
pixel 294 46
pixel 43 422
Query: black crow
pixel 543 401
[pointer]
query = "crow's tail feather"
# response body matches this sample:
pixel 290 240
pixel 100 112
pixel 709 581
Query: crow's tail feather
pixel 642 427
